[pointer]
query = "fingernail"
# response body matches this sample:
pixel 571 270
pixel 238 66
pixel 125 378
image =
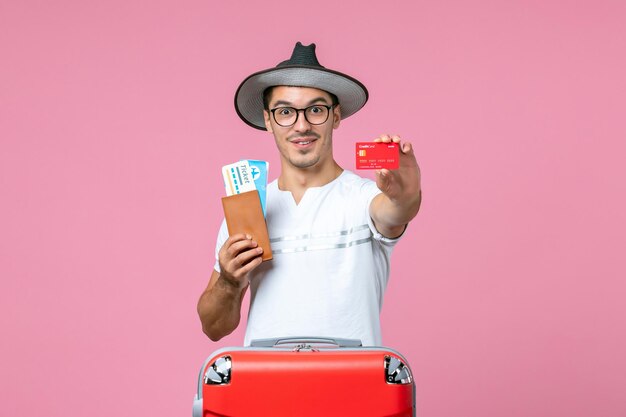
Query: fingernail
pixel 248 237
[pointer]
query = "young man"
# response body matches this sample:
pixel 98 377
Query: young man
pixel 331 231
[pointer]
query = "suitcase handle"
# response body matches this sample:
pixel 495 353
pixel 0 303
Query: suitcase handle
pixel 306 340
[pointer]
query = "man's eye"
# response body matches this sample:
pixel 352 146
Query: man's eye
pixel 315 109
pixel 285 111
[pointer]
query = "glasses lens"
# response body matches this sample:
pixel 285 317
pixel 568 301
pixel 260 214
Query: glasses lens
pixel 285 116
pixel 316 115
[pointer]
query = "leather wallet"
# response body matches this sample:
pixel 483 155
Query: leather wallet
pixel 244 214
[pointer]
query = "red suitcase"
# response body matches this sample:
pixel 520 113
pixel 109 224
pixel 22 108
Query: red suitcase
pixel 305 377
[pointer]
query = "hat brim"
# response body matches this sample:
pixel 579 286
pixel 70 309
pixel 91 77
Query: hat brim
pixel 351 93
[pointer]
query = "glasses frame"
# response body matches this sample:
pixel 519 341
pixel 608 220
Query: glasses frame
pixel 329 108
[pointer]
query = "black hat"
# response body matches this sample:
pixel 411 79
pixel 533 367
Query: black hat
pixel 301 70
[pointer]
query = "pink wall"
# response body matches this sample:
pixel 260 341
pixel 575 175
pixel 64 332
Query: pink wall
pixel 115 117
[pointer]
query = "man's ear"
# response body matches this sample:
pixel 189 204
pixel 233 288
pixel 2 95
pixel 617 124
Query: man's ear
pixel 266 117
pixel 336 116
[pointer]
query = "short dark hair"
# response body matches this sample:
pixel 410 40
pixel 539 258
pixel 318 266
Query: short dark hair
pixel 267 94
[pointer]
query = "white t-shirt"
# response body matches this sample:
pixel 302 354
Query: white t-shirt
pixel 330 266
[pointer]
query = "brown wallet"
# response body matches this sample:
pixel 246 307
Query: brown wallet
pixel 244 214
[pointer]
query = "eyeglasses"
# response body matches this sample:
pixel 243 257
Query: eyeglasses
pixel 288 116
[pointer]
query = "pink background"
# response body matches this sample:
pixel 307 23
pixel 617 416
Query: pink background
pixel 507 292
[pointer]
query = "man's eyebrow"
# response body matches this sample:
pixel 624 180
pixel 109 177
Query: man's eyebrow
pixel 288 103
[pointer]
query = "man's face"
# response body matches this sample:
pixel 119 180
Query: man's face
pixel 302 145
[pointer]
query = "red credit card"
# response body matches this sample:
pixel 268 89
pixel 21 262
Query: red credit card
pixel 377 155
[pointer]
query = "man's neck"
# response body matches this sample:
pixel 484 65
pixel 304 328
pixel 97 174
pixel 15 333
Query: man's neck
pixel 298 180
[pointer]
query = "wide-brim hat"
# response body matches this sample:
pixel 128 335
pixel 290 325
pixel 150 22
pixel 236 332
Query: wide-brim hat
pixel 301 70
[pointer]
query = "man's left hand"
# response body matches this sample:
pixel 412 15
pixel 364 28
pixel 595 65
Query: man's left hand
pixel 403 185
pixel 401 193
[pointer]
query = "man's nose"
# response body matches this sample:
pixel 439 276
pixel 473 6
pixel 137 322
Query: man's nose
pixel 302 124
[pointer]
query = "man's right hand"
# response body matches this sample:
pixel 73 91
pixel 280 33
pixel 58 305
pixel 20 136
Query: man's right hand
pixel 219 306
pixel 238 256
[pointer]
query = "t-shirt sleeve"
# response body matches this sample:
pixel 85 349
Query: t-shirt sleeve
pixel 222 235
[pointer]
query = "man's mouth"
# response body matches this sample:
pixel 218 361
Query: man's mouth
pixel 303 141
